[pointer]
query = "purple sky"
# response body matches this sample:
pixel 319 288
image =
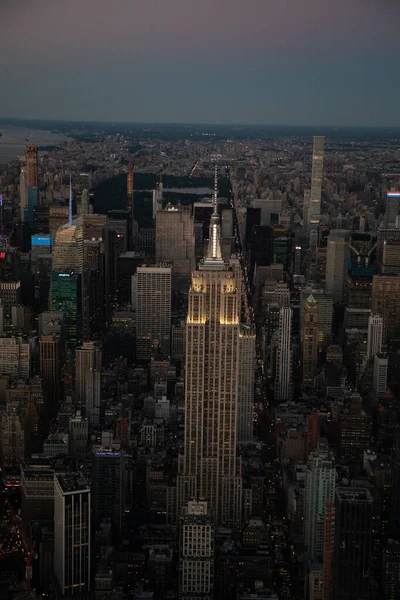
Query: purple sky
pixel 282 61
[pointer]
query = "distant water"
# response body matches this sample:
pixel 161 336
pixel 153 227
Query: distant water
pixel 199 191
pixel 13 141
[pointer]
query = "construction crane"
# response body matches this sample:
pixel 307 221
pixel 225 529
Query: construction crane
pixel 30 552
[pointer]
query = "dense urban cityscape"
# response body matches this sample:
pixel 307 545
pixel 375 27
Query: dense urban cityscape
pixel 199 362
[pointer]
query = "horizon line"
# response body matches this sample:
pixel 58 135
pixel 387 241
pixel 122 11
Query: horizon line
pixel 202 124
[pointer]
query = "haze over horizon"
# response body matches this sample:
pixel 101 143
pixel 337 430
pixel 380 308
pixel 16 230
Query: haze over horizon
pixel 312 63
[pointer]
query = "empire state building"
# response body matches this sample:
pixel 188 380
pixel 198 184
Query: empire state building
pixel 209 468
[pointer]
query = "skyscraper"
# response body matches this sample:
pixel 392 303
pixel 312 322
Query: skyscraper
pixel 309 340
pixel 153 310
pixel 72 533
pixel 337 258
pixel 32 164
pixel 379 375
pixel 49 349
pixel 209 467
pixel 392 208
pixel 88 358
pixel 374 342
pixel 108 472
pixel 23 192
pixel 385 302
pixel 175 243
pixel 283 374
pixel 314 209
pixel 196 567
pixel 66 298
pixel 354 524
pixel 319 491
pixel 247 353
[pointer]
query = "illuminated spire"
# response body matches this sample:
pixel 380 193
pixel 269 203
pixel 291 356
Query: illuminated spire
pixel 213 257
pixel 70 202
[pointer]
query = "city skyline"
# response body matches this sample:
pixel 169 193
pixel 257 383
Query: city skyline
pixel 224 64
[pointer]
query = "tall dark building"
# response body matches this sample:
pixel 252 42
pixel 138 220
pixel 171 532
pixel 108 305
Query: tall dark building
pixel 355 510
pixel 66 298
pixel 108 469
pixel 391 571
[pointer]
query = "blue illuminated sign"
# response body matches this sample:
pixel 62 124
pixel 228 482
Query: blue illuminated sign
pixel 43 239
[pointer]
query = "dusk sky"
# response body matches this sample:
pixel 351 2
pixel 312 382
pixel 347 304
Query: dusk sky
pixel 300 62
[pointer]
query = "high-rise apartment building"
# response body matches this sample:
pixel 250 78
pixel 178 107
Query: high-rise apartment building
pixel 153 310
pixel 23 192
pixel 314 208
pixel 108 479
pixel 209 467
pixel 49 351
pixel 319 491
pixel 196 566
pixel 247 354
pixel 72 537
pixel 309 340
pixel 374 342
pixel 354 524
pixel 337 258
pixel 32 175
pixel 283 374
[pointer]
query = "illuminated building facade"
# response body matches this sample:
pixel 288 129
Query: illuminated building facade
pixel 209 467
pixel 314 209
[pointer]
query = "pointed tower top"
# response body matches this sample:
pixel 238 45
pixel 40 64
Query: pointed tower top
pixel 70 202
pixel 213 259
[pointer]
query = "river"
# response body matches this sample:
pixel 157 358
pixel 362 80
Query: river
pixel 13 140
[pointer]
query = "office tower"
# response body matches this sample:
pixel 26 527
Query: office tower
pixel 227 223
pixel 158 197
pixel 314 209
pixel 175 243
pixel 385 302
pixel 309 340
pixel 283 374
pixel 392 208
pixel 391 570
pixel 23 192
pixel 313 432
pixel 108 472
pixel 32 180
pixel 10 295
pixel 129 190
pixel 15 357
pixel 247 354
pixel 93 289
pixel 93 397
pixel 88 358
pixel 66 298
pixel 209 467
pixel 58 216
pixel 379 375
pixel 374 343
pixel 354 426
pixel 270 209
pixel 319 491
pixel 72 536
pixel 282 247
pixel 153 311
pixel 49 351
pixel 68 247
pixel 324 301
pixel 196 564
pixel 78 433
pixel 337 258
pixel 37 491
pixel 12 439
pixel 354 523
pixel 391 257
